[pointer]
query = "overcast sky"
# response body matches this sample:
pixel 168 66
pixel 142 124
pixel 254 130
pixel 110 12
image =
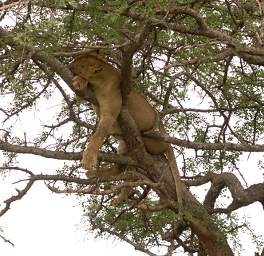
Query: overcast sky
pixel 47 224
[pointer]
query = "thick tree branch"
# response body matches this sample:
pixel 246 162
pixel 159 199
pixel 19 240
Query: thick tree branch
pixel 207 146
pixel 61 155
pixel 133 138
pixel 241 197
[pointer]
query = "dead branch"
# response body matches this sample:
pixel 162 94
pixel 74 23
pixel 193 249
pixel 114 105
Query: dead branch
pixel 7 240
pixel 20 195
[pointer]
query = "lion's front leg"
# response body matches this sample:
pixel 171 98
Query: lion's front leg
pixel 109 99
pixel 109 107
pixel 89 159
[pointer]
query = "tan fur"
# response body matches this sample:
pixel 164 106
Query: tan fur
pixel 105 80
pixel 93 70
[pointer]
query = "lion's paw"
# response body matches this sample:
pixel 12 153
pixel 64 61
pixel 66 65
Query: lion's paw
pixel 89 159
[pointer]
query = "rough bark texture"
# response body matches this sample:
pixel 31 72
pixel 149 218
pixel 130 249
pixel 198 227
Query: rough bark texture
pixel 157 169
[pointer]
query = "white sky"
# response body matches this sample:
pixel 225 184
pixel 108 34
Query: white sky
pixel 44 224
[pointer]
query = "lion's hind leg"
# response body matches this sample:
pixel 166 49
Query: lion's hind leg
pixel 111 171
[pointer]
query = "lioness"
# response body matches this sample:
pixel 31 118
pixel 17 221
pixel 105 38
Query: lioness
pixel 93 70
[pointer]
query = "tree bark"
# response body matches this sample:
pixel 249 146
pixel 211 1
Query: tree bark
pixel 157 169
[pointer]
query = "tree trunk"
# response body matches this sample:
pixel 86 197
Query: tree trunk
pixel 200 221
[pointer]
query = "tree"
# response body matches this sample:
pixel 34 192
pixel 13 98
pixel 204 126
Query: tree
pixel 198 62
